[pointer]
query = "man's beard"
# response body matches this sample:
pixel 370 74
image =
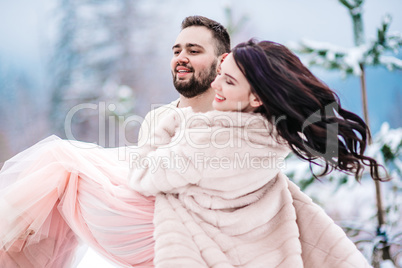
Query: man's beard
pixel 196 86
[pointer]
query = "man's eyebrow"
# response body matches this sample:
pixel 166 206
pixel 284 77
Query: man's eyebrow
pixel 231 77
pixel 193 45
pixel 188 45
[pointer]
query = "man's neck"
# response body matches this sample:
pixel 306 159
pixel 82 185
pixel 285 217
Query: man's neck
pixel 201 103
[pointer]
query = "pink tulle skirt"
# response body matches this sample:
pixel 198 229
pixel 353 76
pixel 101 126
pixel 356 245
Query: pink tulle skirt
pixel 59 194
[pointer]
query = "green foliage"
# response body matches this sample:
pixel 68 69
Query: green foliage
pixel 387 153
pixel 350 60
pixel 231 25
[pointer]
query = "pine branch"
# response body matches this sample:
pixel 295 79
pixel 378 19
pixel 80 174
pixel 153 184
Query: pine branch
pixel 385 42
pixel 332 57
pixel 348 60
pixel 352 6
pixel 346 4
pixel 390 62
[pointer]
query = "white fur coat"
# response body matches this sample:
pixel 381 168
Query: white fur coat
pixel 222 200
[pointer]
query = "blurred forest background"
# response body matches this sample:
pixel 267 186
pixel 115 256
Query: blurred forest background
pixel 91 70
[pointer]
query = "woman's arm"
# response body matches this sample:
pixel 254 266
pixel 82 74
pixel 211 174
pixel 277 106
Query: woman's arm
pixel 216 151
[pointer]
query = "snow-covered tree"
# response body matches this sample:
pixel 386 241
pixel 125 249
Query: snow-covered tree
pixel 378 51
pixel 21 120
pixel 351 60
pixel 95 58
pixel 232 25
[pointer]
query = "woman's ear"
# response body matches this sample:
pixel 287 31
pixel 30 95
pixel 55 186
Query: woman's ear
pixel 255 101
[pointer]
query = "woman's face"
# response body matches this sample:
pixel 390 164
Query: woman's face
pixel 233 92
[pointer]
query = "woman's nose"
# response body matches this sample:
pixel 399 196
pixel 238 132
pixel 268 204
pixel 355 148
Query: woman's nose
pixel 215 84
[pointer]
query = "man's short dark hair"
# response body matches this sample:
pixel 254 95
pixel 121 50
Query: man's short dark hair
pixel 220 34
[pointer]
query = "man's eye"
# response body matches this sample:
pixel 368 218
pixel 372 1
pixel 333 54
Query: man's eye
pixel 176 52
pixel 194 51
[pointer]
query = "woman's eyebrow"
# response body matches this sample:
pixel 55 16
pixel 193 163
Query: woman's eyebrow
pixel 230 76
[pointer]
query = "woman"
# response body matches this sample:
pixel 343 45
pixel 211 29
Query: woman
pixel 231 205
pixel 209 186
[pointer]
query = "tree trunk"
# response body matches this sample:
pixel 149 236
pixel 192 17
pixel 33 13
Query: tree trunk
pixel 364 97
pixel 380 211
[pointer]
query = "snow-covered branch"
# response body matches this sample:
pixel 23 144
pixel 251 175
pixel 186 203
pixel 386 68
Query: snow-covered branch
pixel 390 62
pixel 349 60
pixel 330 56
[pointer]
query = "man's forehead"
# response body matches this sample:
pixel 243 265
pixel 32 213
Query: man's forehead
pixel 194 36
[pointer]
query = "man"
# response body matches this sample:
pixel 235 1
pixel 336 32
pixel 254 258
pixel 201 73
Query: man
pixel 198 52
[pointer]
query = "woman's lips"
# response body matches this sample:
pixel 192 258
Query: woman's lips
pixel 219 98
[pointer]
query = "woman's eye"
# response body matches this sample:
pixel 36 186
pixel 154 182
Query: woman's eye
pixel 229 82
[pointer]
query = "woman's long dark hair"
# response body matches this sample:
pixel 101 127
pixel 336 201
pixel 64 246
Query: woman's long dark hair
pixel 306 112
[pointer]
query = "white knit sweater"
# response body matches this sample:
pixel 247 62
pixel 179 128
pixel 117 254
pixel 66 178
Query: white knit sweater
pixel 222 201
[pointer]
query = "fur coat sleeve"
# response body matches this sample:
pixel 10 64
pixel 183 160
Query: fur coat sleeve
pixel 208 150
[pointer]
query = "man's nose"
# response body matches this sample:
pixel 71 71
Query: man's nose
pixel 182 58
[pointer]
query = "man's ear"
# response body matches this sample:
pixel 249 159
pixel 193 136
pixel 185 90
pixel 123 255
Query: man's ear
pixel 255 101
pixel 222 58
